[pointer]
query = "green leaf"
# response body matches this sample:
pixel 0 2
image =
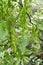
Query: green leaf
pixel 8 59
pixel 27 52
pixel 40 26
pixel 17 61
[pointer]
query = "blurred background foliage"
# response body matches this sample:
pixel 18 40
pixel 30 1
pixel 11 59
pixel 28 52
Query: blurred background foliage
pixel 21 32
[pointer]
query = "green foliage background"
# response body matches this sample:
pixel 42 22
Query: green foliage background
pixel 21 32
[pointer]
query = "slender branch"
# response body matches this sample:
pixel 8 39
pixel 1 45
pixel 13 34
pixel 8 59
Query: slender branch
pixel 26 12
pixel 30 19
